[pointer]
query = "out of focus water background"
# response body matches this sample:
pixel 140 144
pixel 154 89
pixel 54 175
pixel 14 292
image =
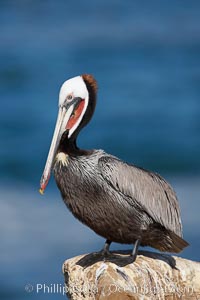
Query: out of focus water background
pixel 145 56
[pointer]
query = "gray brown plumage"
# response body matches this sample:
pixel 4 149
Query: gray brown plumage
pixel 119 201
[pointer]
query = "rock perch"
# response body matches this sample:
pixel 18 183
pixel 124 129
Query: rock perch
pixel 151 276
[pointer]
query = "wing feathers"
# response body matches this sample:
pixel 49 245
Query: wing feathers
pixel 150 190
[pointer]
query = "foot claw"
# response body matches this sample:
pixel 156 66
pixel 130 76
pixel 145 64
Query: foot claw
pixel 132 258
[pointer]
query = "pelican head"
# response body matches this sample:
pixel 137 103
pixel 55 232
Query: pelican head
pixel 77 99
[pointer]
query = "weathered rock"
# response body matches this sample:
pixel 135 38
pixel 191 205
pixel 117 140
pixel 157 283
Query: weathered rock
pixel 151 276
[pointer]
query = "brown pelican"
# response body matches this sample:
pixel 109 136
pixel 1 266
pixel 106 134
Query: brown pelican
pixel 119 201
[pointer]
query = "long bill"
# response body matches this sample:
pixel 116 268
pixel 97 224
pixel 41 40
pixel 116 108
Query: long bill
pixel 62 119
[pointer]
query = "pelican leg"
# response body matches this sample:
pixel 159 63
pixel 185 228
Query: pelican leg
pixel 135 250
pixel 105 251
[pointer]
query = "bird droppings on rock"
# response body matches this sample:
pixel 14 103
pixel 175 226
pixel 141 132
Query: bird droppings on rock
pixel 100 271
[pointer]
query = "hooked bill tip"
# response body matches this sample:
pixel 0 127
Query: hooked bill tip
pixel 41 191
pixel 43 183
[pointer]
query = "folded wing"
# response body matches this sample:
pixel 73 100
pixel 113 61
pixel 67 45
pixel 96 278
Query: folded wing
pixel 150 190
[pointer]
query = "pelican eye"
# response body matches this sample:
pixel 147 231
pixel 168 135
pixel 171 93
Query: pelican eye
pixel 69 97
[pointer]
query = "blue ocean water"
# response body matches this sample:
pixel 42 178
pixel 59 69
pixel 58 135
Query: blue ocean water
pixel 145 56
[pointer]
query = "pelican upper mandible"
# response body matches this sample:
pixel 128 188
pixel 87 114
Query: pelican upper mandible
pixel 119 201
